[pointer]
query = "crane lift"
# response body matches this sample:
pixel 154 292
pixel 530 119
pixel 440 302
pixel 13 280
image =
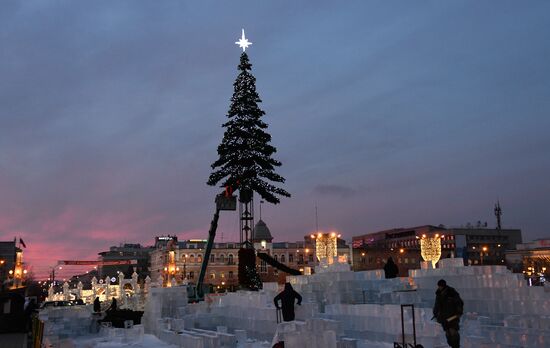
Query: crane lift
pixel 226 201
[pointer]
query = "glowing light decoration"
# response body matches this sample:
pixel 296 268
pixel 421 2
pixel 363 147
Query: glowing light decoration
pixel 243 42
pixel 430 248
pixel 326 246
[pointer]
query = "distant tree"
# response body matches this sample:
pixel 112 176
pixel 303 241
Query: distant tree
pixel 245 160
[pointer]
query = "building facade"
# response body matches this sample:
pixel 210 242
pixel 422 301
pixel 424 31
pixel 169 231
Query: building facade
pixel 183 260
pixel 532 259
pixel 12 270
pixel 173 262
pixel 126 252
pixel 475 245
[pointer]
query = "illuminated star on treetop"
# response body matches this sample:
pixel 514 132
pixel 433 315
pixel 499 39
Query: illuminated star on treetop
pixel 243 42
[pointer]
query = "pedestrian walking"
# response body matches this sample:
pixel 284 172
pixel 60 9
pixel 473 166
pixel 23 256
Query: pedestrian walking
pixel 447 310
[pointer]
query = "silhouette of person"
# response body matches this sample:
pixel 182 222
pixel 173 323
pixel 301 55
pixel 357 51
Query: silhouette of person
pixel 97 305
pixel 390 269
pixel 29 310
pixel 287 298
pixel 447 310
pixel 113 305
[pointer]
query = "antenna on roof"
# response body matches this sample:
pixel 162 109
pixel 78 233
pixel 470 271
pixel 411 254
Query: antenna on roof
pixel 316 220
pixel 498 214
pixel 261 202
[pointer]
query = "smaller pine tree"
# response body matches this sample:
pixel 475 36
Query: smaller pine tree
pixel 245 156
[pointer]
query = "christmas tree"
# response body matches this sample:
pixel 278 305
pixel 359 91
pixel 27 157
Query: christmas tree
pixel 245 160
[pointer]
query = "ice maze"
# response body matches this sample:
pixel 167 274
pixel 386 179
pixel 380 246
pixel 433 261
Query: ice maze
pixel 362 309
pixel 348 309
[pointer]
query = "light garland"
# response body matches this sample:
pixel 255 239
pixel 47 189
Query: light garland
pixel 326 246
pixel 430 248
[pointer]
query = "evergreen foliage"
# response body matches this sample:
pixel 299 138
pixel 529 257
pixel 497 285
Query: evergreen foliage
pixel 248 275
pixel 245 156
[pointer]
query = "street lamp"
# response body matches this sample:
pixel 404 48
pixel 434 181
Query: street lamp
pixel 185 266
pixel 483 250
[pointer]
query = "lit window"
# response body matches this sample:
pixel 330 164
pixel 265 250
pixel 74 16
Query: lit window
pixel 264 244
pixel 263 266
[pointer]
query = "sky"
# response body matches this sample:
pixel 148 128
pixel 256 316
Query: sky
pixel 385 114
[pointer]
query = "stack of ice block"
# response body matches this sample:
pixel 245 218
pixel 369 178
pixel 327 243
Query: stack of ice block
pixel 252 311
pixel 348 287
pixel 362 309
pixel 163 303
pixel 320 333
pixel 66 322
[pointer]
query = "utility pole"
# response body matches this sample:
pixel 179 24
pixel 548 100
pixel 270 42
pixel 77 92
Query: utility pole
pixel 316 220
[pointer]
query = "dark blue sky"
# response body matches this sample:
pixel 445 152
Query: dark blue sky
pixel 385 114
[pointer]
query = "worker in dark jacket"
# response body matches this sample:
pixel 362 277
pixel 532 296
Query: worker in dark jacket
pixel 447 310
pixel 287 297
pixel 390 269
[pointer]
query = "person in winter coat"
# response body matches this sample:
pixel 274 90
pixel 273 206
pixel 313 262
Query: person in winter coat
pixel 447 310
pixel 390 269
pixel 113 305
pixel 287 297
pixel 29 311
pixel 97 305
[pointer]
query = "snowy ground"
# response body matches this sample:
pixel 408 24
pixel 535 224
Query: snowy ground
pixel 146 341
